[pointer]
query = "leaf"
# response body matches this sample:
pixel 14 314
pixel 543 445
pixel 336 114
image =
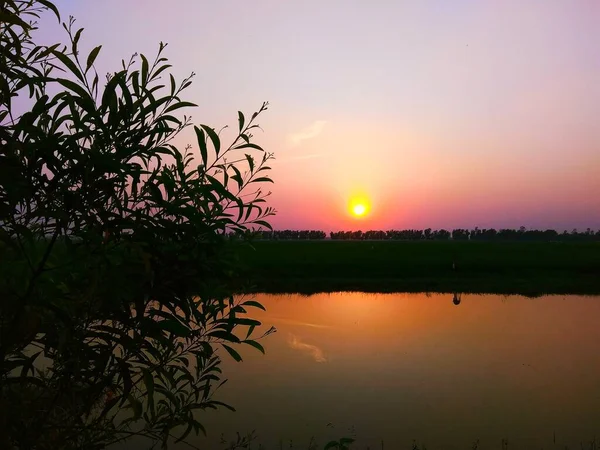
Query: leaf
pixel 92 57
pixel 249 145
pixel 149 383
pixel 109 90
pixel 261 180
pixel 241 120
pixel 256 345
pixel 264 224
pixel 73 87
pixel 332 444
pixel 173 85
pixel 249 208
pixel 175 400
pixel 127 382
pixel 237 177
pixel 199 427
pixel 180 105
pixel 245 321
pixel 155 192
pixel 47 51
pixel 95 85
pixel 48 4
pixel 240 205
pixel 13 19
pixel 225 335
pixel 174 326
pixel 186 432
pixel 28 365
pixel 250 162
pixel 144 70
pixel 76 40
pixel 235 355
pixel 214 137
pixel 202 144
pixel 159 71
pixel 345 441
pixel 254 304
pixel 40 106
pixel 68 63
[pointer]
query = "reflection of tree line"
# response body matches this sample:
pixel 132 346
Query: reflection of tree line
pixel 459 234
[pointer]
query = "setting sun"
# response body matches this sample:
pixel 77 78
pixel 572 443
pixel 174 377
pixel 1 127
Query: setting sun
pixel 359 206
pixel 359 210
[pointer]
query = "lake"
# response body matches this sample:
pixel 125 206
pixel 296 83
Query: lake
pixel 404 367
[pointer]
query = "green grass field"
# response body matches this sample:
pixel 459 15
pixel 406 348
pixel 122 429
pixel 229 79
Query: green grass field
pixel 529 268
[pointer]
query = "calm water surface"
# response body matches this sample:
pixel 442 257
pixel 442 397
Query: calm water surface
pixel 404 367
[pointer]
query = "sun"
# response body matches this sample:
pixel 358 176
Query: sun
pixel 359 209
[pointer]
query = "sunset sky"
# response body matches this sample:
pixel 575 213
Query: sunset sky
pixel 440 113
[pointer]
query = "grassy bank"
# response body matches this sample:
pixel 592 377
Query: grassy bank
pixel 530 268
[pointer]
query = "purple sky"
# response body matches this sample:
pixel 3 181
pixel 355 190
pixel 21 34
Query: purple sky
pixel 439 113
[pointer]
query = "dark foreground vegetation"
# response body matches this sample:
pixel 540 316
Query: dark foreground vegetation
pixel 116 279
pixel 530 268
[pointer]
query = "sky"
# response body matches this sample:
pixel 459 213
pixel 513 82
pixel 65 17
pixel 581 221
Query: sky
pixel 436 113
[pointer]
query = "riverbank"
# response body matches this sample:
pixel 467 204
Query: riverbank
pixel 526 268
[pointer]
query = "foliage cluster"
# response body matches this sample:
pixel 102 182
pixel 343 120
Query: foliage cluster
pixel 115 267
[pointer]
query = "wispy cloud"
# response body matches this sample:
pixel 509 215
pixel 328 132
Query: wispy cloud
pixel 312 350
pixel 307 133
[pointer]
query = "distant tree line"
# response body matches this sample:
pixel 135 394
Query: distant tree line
pixel 428 234
pixel 397 235
pixel 523 234
pixel 290 235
